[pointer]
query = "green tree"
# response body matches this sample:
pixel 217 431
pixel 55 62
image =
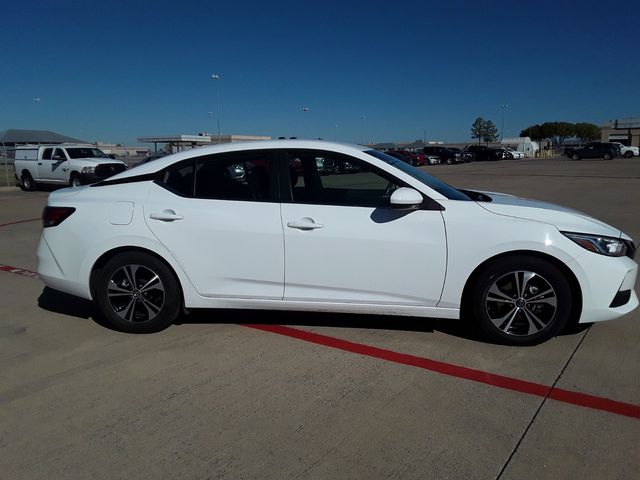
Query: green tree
pixel 489 132
pixel 587 131
pixel 555 132
pixel 477 129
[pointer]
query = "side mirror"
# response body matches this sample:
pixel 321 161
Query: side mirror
pixel 406 198
pixel 112 156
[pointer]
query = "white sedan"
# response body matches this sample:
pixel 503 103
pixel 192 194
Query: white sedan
pixel 185 232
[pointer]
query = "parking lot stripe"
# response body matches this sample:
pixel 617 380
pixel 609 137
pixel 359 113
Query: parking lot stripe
pixel 18 221
pixel 449 369
pixel 19 271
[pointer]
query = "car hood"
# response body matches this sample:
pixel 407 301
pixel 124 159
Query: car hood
pixel 97 160
pixel 563 218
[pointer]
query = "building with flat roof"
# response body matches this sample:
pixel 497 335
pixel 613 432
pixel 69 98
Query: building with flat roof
pixel 178 143
pixel 625 130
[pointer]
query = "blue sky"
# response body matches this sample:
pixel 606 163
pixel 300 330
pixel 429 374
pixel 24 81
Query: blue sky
pixel 114 71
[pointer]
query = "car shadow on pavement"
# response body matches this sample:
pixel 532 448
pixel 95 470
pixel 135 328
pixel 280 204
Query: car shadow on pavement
pixel 63 303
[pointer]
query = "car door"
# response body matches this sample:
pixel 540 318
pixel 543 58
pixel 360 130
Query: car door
pixel 55 169
pixel 343 243
pixel 219 216
pixel 45 164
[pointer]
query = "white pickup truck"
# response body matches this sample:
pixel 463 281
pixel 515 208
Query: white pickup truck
pixel 627 152
pixel 63 164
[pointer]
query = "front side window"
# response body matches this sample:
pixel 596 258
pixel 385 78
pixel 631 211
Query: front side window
pixel 327 178
pixel 46 154
pixel 58 154
pixel 237 176
pixel 442 188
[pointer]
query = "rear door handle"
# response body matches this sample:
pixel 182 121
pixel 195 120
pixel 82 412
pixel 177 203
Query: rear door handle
pixel 166 216
pixel 305 223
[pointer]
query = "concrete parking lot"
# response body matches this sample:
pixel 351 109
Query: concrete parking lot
pixel 245 394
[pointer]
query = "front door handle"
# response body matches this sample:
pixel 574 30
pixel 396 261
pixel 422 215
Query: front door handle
pixel 305 223
pixel 166 216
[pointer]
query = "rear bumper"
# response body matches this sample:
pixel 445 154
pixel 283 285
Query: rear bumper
pixel 52 274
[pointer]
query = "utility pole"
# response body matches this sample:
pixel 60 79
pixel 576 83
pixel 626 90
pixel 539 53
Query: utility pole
pixel 503 108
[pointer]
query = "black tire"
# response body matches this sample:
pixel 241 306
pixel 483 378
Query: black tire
pixel 449 161
pixel 575 156
pixel 74 180
pixel 607 156
pixel 628 154
pixel 27 183
pixel 529 317
pixel 137 308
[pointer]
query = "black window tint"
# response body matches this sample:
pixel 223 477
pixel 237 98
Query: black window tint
pixel 46 154
pixel 327 178
pixel 58 154
pixel 179 178
pixel 240 176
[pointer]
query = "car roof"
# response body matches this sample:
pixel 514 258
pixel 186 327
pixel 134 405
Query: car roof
pixel 160 163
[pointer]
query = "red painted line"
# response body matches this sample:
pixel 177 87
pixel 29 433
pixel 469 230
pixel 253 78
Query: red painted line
pixel 478 376
pixel 19 271
pixel 19 221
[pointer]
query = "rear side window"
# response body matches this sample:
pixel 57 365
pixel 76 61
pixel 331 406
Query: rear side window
pixel 179 178
pixel 249 176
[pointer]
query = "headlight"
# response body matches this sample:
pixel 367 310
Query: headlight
pixel 612 247
pixel 88 169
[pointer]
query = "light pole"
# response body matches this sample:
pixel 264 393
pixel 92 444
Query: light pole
pixel 216 77
pixel 503 107
pixel 424 137
pixel 362 118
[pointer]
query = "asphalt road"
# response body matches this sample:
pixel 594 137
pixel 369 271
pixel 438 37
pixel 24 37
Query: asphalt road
pixel 214 398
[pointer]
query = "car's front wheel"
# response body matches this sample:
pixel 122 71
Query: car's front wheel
pixel 521 300
pixel 137 293
pixel 575 156
pixel 628 154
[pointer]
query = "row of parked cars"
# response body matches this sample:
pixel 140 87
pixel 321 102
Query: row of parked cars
pixel 433 155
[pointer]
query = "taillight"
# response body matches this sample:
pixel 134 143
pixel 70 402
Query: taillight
pixel 53 216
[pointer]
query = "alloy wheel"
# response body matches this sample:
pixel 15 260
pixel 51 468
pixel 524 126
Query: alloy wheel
pixel 136 293
pixel 521 303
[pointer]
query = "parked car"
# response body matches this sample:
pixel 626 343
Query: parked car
pixel 65 164
pixel 466 156
pixel 401 156
pixel 512 154
pixel 484 153
pixel 603 150
pixel 625 151
pixel 419 159
pixel 446 155
pixel 178 233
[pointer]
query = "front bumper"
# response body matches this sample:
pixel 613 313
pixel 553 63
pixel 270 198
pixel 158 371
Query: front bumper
pixel 603 281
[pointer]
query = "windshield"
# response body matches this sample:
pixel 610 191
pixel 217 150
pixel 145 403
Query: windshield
pixel 85 153
pixel 440 187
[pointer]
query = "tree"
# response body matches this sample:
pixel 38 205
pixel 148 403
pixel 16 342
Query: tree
pixel 489 132
pixel 555 132
pixel 587 131
pixel 477 129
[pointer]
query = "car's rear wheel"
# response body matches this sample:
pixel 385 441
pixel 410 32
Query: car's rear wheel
pixel 575 156
pixel 607 156
pixel 137 293
pixel 27 183
pixel 521 300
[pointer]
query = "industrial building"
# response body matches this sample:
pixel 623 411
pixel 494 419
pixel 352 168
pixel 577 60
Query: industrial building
pixel 625 131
